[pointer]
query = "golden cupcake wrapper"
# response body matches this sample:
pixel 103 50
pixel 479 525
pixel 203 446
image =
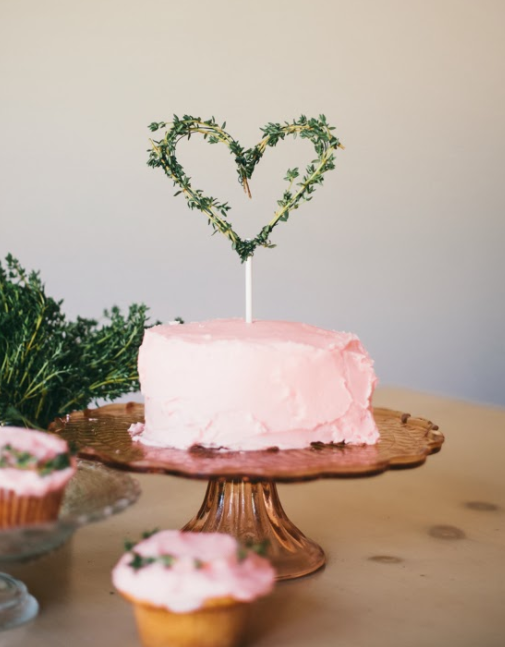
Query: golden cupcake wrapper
pixel 220 622
pixel 16 510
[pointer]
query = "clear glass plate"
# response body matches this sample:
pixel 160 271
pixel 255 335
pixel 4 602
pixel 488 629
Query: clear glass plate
pixel 96 492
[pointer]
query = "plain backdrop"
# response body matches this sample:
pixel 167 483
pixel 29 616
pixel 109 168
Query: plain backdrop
pixel 404 244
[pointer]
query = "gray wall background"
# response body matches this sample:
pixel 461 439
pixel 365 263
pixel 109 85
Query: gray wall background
pixel 404 243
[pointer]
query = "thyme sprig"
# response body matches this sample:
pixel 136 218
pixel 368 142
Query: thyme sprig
pixel 251 546
pixel 129 545
pixel 317 131
pixel 50 366
pixel 139 561
pixel 23 460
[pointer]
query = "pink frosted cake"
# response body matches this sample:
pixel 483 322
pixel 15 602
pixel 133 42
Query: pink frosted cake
pixel 35 468
pixel 238 386
pixel 191 589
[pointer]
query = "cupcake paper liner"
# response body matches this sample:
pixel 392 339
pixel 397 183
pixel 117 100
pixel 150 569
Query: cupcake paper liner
pixel 16 510
pixel 219 623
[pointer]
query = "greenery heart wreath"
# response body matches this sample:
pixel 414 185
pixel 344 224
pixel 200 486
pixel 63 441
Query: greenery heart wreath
pixel 318 131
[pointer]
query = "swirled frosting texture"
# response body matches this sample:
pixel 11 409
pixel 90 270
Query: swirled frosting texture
pixel 206 566
pixel 42 445
pixel 225 383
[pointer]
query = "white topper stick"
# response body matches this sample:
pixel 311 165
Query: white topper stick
pixel 248 290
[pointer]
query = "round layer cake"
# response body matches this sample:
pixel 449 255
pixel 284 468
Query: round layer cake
pixel 238 386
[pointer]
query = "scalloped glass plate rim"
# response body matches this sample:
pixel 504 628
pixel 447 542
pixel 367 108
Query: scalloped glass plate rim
pixel 101 434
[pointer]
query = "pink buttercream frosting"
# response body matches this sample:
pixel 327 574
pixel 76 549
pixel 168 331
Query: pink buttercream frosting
pixel 206 566
pixel 42 445
pixel 239 386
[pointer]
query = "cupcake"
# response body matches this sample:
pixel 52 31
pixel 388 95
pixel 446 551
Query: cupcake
pixel 191 589
pixel 35 467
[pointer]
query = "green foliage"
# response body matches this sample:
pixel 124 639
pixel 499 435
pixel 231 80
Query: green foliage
pixel 250 546
pixel 129 545
pixel 317 131
pixel 59 462
pixel 12 457
pixel 50 366
pixel 22 460
pixel 138 561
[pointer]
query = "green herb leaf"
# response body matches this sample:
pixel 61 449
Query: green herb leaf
pixel 23 460
pixel 50 366
pixel 317 131
pixel 251 546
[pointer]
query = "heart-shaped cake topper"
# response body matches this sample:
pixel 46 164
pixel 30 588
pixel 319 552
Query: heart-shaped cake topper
pixel 318 131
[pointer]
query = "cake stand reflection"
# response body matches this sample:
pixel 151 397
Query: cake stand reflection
pixel 93 494
pixel 242 497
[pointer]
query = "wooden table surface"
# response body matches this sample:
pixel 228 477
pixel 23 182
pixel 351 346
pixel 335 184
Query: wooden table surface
pixel 415 558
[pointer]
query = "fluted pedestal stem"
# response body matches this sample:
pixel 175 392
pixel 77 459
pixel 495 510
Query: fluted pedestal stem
pixel 253 512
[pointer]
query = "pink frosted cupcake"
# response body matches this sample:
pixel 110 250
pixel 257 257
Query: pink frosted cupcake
pixel 191 589
pixel 35 468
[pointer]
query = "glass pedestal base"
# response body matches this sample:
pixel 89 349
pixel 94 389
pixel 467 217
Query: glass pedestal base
pixel 252 512
pixel 17 606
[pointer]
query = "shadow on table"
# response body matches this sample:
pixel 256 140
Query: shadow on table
pixel 295 611
pixel 48 578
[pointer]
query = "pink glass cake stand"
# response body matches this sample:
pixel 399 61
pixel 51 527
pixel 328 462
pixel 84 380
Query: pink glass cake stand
pixel 241 496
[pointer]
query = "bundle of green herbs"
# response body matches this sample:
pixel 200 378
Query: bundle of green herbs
pixel 50 366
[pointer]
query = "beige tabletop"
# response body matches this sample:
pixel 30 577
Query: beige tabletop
pixel 415 558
